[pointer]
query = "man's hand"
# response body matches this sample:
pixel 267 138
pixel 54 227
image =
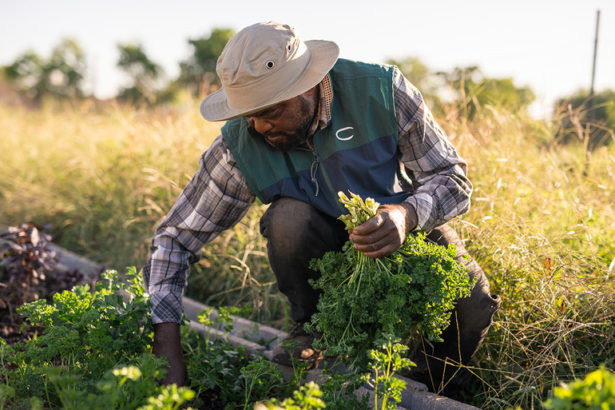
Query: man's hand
pixel 384 233
pixel 167 344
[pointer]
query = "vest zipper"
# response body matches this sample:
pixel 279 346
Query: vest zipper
pixel 315 163
pixel 314 170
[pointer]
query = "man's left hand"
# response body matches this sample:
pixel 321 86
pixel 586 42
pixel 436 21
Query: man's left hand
pixel 384 233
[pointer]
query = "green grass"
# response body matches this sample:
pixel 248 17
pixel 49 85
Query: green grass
pixel 541 225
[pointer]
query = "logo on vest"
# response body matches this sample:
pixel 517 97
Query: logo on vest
pixel 342 134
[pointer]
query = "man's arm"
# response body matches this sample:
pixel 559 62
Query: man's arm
pixel 215 199
pixel 441 187
pixel 167 344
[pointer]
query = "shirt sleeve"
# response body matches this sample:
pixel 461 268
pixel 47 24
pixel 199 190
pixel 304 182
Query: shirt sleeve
pixel 214 200
pixel 441 188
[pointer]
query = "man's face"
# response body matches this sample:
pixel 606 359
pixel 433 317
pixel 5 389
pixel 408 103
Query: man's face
pixel 286 125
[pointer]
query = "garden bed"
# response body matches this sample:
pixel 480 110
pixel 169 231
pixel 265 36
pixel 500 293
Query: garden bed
pixel 261 339
pixel 36 269
pixel 254 339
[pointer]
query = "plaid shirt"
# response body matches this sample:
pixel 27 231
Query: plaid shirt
pixel 218 196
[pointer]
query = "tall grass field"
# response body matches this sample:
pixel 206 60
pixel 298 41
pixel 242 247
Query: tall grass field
pixel 542 226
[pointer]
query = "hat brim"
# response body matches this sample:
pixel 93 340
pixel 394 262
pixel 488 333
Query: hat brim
pixel 323 55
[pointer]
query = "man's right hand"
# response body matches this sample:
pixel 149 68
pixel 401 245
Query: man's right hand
pixel 385 232
pixel 167 344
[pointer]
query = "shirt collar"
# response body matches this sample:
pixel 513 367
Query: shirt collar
pixel 324 105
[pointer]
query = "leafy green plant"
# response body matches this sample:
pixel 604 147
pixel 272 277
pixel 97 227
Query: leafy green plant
pixel 386 361
pixel 224 373
pixel 6 393
pixel 596 391
pixel 96 330
pixel 260 377
pixel 170 398
pixel 307 397
pixel 27 271
pixel 339 390
pixel 94 350
pixel 123 386
pixel 365 299
pixel 300 367
pixel 214 365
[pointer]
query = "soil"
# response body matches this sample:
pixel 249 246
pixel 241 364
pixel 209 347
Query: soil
pixel 211 400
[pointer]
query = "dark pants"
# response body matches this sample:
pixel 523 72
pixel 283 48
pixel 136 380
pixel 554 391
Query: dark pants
pixel 296 232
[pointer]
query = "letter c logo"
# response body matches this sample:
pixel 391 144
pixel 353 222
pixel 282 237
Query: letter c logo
pixel 341 138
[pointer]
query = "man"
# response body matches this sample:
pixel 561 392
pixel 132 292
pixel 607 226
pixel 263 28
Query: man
pixel 303 125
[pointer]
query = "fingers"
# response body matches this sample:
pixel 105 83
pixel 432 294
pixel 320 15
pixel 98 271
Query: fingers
pixel 388 217
pixel 380 236
pixel 372 237
pixel 372 225
pixel 383 247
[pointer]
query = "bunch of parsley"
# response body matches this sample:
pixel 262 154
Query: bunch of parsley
pixel 410 292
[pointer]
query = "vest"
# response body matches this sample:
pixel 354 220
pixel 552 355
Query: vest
pixel 357 151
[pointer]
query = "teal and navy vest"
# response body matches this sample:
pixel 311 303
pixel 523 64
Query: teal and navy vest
pixel 356 152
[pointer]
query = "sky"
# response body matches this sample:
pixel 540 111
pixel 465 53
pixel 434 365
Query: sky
pixel 544 44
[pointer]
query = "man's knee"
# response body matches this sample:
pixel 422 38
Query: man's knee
pixel 293 225
pixel 475 312
pixel 296 232
pixel 285 220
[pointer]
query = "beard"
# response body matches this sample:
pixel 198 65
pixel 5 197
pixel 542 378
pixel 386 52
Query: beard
pixel 286 141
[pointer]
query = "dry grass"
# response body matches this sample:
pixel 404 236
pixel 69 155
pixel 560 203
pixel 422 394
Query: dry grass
pixel 543 231
pixel 102 178
pixel 541 225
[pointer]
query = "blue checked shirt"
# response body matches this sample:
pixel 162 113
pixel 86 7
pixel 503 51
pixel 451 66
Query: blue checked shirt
pixel 218 196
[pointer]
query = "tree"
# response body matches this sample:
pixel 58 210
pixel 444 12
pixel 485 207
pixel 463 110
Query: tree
pixel 472 91
pixel 585 118
pixel 66 68
pixel 198 72
pixel 59 76
pixel 419 74
pixel 143 72
pixel 465 87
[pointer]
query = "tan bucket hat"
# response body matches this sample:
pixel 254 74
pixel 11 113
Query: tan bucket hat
pixel 264 64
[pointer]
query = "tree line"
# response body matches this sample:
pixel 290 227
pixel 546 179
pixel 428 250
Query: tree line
pixel 62 73
pixel 580 117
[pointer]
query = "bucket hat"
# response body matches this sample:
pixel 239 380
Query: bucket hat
pixel 264 64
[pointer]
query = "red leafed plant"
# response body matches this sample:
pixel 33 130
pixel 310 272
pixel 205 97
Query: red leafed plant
pixel 27 273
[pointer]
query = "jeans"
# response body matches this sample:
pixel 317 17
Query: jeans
pixel 296 232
